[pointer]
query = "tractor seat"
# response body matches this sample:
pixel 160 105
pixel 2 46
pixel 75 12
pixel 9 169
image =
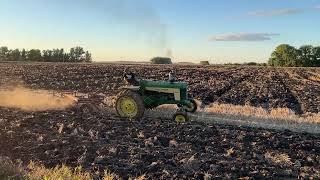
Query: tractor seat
pixel 172 78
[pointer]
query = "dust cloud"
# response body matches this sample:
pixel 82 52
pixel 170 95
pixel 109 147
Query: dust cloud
pixel 169 53
pixel 33 100
pixel 142 16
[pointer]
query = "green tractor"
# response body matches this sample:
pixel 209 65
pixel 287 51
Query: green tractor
pixel 139 95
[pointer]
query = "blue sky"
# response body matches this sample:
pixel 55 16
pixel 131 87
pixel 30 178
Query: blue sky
pixel 186 30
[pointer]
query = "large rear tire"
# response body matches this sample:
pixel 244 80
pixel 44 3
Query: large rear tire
pixel 129 105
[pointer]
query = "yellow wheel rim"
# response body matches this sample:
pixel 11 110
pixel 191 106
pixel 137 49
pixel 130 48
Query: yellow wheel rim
pixel 180 118
pixel 127 107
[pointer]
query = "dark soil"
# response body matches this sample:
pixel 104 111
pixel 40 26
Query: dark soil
pixel 156 147
pixel 160 148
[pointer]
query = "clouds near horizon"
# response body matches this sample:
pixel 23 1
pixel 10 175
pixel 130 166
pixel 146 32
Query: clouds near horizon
pixel 281 11
pixel 243 37
pixel 276 12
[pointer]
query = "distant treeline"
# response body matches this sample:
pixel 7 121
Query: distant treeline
pixel 246 64
pixel 161 60
pixel 289 56
pixel 76 54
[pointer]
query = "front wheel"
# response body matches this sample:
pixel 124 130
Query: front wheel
pixel 181 117
pixel 129 105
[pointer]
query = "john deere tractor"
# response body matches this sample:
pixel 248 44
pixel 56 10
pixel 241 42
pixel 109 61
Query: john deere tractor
pixel 139 95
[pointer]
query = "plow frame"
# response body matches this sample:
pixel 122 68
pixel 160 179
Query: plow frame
pixel 85 103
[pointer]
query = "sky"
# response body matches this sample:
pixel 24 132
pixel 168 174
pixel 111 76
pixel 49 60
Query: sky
pixel 228 31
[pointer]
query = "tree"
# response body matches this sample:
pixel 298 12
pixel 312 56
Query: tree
pixel 66 57
pixel 47 56
pixel 14 55
pixel 61 55
pixel 273 59
pixel 23 55
pixel 284 55
pixel 3 53
pixel 88 57
pixel 161 60
pixel 77 54
pixel 204 63
pixel 251 64
pixel 306 56
pixel 316 53
pixel 55 55
pixel 34 55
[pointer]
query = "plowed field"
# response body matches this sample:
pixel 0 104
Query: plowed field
pixel 158 147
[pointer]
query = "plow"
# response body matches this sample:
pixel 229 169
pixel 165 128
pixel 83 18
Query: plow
pixel 85 103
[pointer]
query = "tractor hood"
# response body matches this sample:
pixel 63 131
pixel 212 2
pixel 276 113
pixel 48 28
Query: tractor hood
pixel 163 84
